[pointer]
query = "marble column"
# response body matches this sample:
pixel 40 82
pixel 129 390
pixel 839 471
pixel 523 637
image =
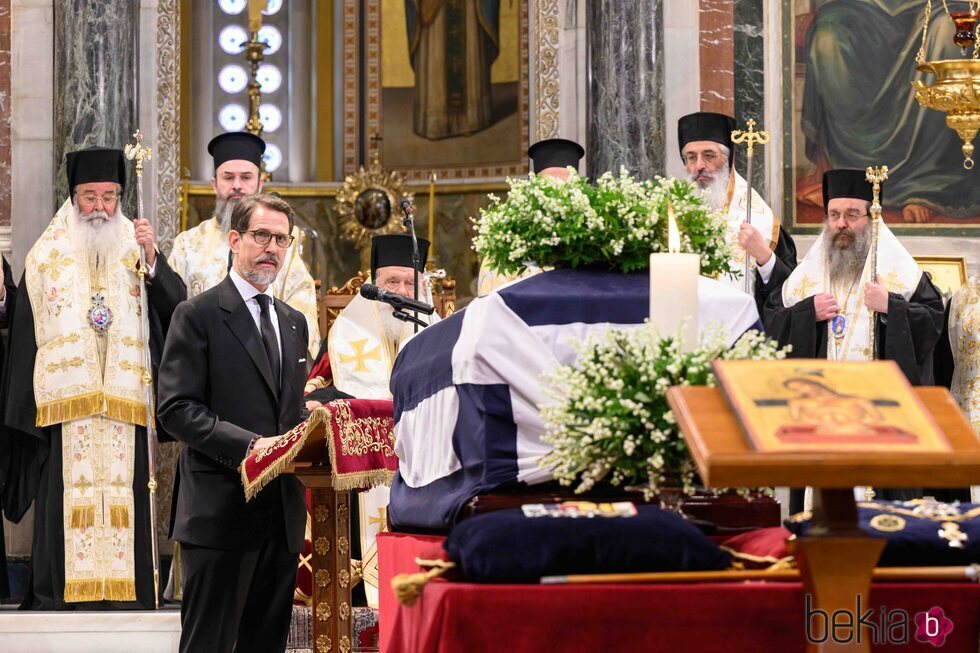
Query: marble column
pixel 750 95
pixel 95 68
pixel 626 87
pixel 5 126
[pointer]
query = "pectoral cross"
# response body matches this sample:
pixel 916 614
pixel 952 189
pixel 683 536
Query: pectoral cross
pixel 360 356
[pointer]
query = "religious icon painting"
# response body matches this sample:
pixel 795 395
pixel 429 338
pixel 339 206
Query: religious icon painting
pixel 819 405
pixel 847 73
pixel 444 87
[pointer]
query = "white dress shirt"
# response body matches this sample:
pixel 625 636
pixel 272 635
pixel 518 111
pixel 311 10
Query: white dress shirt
pixel 249 294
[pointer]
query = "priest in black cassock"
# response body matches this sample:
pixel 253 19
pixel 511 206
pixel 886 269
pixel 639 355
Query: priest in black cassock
pixel 708 153
pixel 74 399
pixel 823 307
pixel 8 297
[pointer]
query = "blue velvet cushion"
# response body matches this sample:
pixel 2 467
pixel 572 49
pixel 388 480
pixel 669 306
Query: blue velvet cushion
pixel 919 533
pixel 506 546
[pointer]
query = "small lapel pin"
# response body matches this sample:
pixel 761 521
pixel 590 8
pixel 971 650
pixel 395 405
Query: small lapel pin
pixel 293 326
pixel 302 360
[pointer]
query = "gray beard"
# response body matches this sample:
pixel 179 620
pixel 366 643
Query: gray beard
pixel 846 265
pixel 260 278
pixel 222 213
pixel 716 192
pixel 391 327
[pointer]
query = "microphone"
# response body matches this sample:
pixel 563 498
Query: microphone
pixel 372 292
pixel 406 206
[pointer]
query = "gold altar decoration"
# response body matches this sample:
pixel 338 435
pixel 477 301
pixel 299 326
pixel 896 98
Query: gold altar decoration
pixel 368 204
pixel 956 88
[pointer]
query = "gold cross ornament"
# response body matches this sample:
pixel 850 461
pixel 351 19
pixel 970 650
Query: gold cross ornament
pixel 360 356
pixel 750 137
pixel 138 153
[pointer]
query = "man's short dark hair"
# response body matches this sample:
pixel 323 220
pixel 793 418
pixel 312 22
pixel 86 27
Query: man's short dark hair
pixel 241 215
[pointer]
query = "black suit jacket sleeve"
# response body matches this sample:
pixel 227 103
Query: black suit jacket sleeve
pixel 164 291
pixel 184 388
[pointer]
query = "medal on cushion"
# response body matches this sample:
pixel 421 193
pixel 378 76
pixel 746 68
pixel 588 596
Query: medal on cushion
pixel 100 315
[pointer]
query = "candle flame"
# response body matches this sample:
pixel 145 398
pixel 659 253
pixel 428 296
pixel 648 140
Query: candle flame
pixel 673 235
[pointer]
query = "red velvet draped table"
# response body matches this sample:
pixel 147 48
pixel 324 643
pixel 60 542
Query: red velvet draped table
pixel 455 617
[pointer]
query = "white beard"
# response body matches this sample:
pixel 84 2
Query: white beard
pixel 716 192
pixel 96 235
pixel 391 327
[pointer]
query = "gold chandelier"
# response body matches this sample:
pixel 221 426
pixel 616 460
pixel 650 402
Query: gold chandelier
pixel 956 88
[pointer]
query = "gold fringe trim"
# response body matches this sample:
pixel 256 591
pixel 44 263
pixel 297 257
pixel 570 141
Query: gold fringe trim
pixel 82 517
pixel 119 516
pixel 92 403
pixel 408 587
pixel 84 590
pixel 120 590
pixel 341 482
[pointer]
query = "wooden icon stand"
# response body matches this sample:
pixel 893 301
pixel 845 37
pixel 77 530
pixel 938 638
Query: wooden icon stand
pixel 836 558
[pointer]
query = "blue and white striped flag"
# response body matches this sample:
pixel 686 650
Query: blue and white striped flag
pixel 467 390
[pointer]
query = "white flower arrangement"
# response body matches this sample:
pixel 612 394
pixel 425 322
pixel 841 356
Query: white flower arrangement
pixel 610 420
pixel 615 223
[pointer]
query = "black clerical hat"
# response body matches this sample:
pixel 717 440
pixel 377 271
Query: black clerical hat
pixel 95 164
pixel 396 250
pixel 846 183
pixel 705 126
pixel 236 146
pixel 555 153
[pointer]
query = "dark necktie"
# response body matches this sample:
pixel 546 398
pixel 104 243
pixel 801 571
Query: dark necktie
pixel 269 337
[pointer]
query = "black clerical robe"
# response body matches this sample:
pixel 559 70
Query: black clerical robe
pixel 34 462
pixel 785 254
pixel 9 301
pixel 907 334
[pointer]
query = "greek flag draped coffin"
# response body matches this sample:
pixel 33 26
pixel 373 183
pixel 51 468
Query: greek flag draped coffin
pixel 467 389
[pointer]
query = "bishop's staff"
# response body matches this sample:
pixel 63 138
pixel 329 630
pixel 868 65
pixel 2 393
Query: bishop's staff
pixel 138 153
pixel 875 177
pixel 750 137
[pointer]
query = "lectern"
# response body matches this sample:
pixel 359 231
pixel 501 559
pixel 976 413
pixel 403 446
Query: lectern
pixel 836 558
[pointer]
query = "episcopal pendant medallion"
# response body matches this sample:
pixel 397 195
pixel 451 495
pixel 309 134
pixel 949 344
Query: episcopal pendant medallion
pixel 100 315
pixel 838 326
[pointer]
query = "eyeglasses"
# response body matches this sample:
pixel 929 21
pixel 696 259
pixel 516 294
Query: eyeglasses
pixel 709 157
pixel 262 237
pixel 851 216
pixel 107 199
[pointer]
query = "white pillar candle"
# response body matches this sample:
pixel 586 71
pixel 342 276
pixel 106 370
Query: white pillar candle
pixel 674 290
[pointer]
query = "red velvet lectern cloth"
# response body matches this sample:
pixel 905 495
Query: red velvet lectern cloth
pixel 453 617
pixel 357 436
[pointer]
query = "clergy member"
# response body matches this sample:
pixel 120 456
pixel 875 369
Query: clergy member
pixel 708 153
pixel 362 346
pixel 75 403
pixel 201 255
pixel 823 308
pixel 8 293
pixel 551 157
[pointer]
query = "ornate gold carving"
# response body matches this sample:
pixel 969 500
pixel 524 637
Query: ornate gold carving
pixel 546 34
pixel 344 611
pixel 955 92
pixel 322 545
pixel 343 545
pixel 368 204
pixel 322 578
pixel 321 513
pixel 323 611
pixel 343 577
pixel 345 644
pixel 168 123
pixel 352 287
pixel 342 513
pixel 323 644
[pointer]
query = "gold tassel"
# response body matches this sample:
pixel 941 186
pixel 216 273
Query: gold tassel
pixel 83 590
pixel 408 587
pixel 119 516
pixel 120 590
pixel 126 410
pixel 82 517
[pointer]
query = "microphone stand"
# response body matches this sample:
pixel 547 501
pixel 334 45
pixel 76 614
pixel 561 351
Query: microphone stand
pixel 409 223
pixel 400 314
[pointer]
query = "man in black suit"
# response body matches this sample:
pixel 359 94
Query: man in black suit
pixel 231 382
